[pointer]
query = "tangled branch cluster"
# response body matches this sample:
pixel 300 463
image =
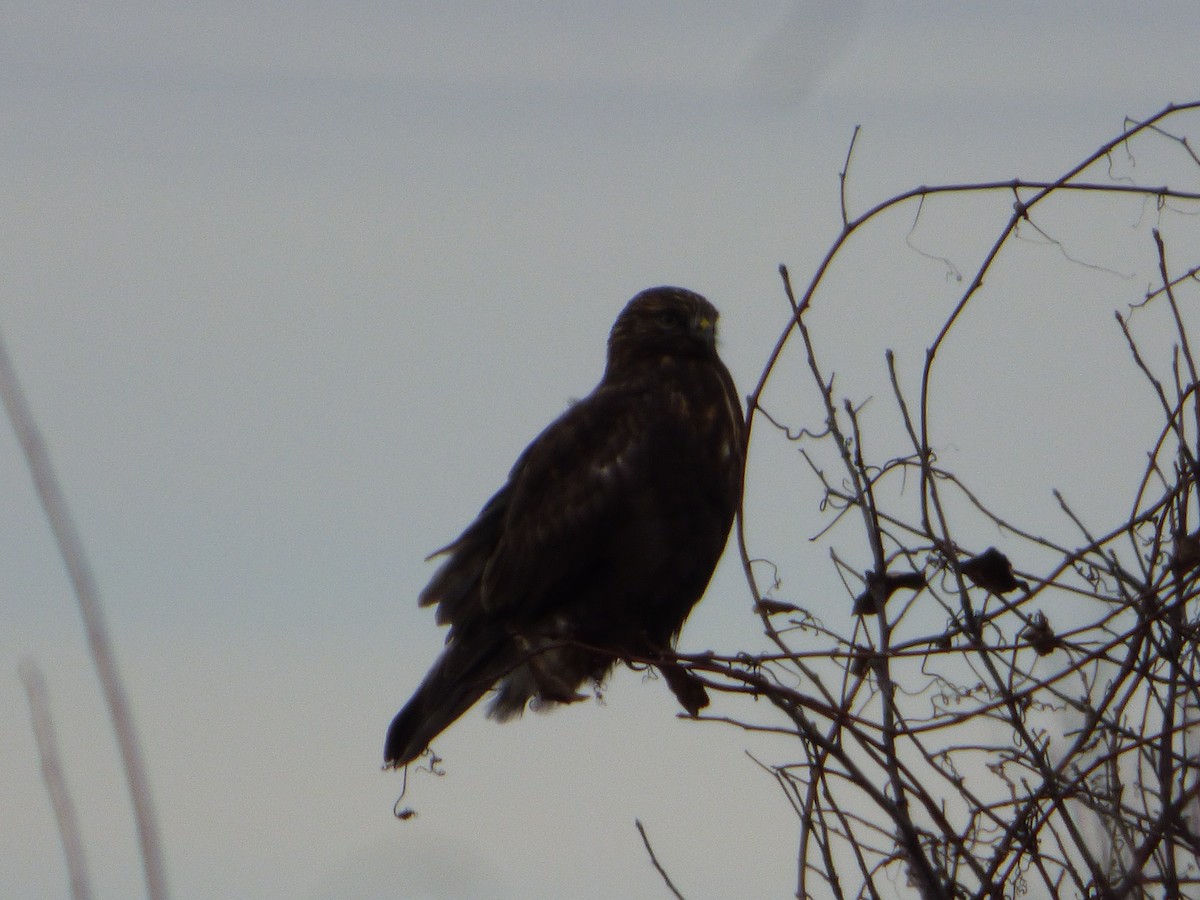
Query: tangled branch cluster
pixel 970 729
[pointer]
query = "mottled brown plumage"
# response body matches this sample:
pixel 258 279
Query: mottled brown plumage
pixel 604 537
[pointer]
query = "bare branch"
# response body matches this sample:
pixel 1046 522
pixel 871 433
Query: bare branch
pixel 56 782
pixel 985 736
pixel 88 595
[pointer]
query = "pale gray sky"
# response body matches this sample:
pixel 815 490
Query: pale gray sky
pixel 289 289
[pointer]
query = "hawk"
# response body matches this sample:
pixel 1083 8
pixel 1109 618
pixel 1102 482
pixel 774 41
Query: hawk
pixel 602 540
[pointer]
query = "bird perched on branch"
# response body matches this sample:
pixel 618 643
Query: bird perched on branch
pixel 602 540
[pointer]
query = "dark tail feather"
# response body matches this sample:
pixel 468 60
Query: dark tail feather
pixel 461 675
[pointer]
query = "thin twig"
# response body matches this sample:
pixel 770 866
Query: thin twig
pixel 654 859
pixel 844 174
pixel 56 782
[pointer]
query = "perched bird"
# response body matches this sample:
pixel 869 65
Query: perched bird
pixel 602 540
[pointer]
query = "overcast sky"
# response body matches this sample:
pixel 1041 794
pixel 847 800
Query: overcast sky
pixel 289 287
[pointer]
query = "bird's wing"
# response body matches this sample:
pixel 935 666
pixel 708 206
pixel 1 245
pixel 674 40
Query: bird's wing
pixel 455 586
pixel 549 523
pixel 572 489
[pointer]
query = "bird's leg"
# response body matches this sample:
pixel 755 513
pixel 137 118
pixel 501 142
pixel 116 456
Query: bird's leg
pixel 686 687
pixel 550 686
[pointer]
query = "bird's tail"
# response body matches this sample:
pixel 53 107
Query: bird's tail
pixel 462 674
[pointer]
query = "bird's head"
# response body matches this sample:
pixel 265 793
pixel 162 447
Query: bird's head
pixel 663 323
